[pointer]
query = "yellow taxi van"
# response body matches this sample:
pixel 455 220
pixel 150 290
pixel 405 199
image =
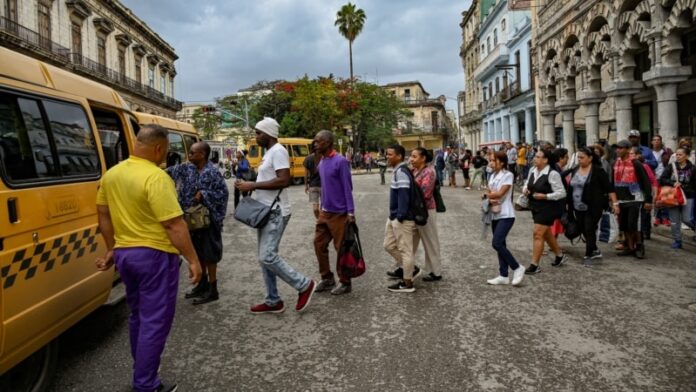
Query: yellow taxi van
pixel 298 149
pixel 59 133
pixel 181 136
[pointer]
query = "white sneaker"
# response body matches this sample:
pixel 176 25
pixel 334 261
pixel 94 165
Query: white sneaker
pixel 518 275
pixel 499 280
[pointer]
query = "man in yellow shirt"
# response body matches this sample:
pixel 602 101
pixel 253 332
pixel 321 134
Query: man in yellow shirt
pixel 521 161
pixel 143 226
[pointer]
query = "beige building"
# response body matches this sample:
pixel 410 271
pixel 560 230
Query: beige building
pixel 469 99
pixel 99 39
pixel 608 66
pixel 427 125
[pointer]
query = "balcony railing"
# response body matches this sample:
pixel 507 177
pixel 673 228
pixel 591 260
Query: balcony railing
pixel 32 38
pixel 87 66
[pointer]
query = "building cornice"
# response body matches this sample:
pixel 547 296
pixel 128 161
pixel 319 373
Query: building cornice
pixel 521 34
pixel 79 8
pixel 136 23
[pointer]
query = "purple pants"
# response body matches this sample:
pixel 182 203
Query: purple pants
pixel 151 278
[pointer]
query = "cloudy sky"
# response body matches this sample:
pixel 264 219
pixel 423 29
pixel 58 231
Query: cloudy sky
pixel 224 46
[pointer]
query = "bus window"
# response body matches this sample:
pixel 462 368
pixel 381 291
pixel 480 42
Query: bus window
pixel 177 153
pixel 24 141
pixel 254 151
pixel 300 150
pixel 189 141
pixel 77 151
pixel 113 138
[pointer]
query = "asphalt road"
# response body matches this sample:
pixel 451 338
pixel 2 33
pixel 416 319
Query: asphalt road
pixel 624 325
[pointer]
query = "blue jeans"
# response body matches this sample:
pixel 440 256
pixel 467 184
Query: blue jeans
pixel 501 228
pixel 439 176
pixel 677 215
pixel 272 265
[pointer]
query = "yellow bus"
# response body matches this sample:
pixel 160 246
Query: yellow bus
pixel 297 148
pixel 59 133
pixel 181 136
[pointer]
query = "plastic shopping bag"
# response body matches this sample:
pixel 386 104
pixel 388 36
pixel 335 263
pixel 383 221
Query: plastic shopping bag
pixel 608 228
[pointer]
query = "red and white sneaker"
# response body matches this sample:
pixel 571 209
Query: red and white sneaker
pixel 263 308
pixel 305 297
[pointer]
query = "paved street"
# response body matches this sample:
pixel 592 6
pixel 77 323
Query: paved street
pixel 624 325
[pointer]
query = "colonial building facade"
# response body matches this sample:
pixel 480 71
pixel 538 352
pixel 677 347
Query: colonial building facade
pixel 608 66
pixel 470 116
pixel 427 125
pixel 503 73
pixel 99 39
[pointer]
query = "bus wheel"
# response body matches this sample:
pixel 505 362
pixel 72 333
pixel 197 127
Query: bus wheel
pixel 35 373
pixel 297 180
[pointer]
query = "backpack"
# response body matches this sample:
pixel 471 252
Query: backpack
pixel 418 208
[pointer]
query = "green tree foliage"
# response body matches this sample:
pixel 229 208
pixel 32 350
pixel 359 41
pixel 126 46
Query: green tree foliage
pixel 350 21
pixel 306 106
pixel 208 124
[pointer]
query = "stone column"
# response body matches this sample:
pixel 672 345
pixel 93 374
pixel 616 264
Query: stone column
pixel 569 130
pixel 514 128
pixel 548 117
pixel 624 116
pixel 498 129
pixel 591 122
pixel 529 125
pixel 667 113
pixel 506 127
pixel 666 80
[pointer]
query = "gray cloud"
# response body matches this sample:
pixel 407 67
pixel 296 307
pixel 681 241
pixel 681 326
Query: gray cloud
pixel 228 45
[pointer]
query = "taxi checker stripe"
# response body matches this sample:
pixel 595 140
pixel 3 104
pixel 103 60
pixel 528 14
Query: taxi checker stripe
pixel 60 252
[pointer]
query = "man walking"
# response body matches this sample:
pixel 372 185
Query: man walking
pixel 337 211
pixel 634 139
pixel 401 227
pixel 439 166
pixel 198 181
pixel 312 180
pixel 633 193
pixel 272 179
pixel 662 154
pixel 512 159
pixel 142 225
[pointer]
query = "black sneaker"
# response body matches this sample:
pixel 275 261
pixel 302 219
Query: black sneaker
pixel 626 252
pixel 640 251
pixel 431 277
pixel 199 290
pixel 396 274
pixel 559 260
pixel 325 285
pixel 401 287
pixel 532 269
pixel 416 272
pixel 596 255
pixel 167 388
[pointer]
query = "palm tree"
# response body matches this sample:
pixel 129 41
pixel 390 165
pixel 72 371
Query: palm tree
pixel 350 23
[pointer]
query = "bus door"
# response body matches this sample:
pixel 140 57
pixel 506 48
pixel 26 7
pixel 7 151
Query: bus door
pixel 298 153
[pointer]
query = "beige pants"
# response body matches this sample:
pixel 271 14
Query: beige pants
pixel 398 242
pixel 431 243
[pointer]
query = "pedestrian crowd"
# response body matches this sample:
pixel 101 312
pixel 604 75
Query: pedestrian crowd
pixel 149 216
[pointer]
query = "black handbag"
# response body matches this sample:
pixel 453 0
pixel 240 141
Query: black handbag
pixel 253 213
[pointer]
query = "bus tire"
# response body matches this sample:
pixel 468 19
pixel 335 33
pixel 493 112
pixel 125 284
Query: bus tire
pixel 35 373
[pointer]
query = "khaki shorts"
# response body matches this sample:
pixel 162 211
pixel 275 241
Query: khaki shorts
pixel 314 194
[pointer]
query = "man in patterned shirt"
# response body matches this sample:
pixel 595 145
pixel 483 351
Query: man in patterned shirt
pixel 198 181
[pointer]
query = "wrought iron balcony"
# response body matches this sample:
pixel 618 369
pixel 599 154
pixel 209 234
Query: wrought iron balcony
pixel 54 52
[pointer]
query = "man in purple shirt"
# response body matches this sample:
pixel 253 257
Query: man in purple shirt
pixel 337 210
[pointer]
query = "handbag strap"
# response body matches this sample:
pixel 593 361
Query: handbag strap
pixel 277 198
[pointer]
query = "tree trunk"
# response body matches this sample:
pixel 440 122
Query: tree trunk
pixel 350 54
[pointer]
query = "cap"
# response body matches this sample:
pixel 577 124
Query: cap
pixel 634 132
pixel 268 126
pixel 623 144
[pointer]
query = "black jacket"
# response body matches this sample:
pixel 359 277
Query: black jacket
pixel 596 191
pixel 687 178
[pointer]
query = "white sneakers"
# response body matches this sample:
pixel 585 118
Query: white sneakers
pixel 499 280
pixel 517 276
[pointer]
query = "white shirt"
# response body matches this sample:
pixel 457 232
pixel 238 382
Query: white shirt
pixel 276 158
pixel 496 182
pixel 660 167
pixel 558 190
